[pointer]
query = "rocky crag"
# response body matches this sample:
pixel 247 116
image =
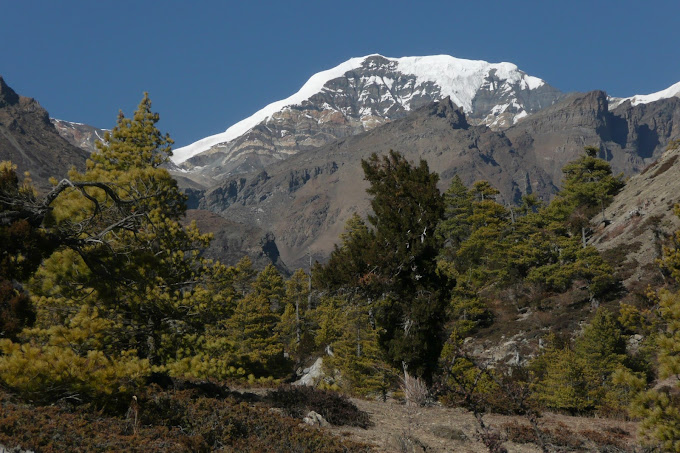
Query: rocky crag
pixel 81 135
pixel 30 140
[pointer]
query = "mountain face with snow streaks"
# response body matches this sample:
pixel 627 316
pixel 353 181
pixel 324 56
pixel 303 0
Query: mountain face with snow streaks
pixel 78 134
pixel 360 95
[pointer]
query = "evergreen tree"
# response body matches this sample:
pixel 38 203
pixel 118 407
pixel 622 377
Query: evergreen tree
pixel 411 298
pixel 295 325
pixel 565 385
pixel 122 261
pixel 22 247
pixel 588 185
pixel 455 226
pixel 253 327
pixel 357 355
pixel 353 265
pixel 659 407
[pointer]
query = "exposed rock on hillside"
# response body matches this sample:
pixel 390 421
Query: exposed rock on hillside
pixel 630 137
pixel 30 141
pixel 232 241
pixel 81 135
pixel 306 199
pixel 641 219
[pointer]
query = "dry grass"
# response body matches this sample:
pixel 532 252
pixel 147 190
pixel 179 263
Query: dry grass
pixel 415 390
pixel 439 429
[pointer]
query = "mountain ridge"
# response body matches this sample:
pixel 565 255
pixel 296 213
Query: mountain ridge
pixel 30 140
pixel 361 94
pixel 306 199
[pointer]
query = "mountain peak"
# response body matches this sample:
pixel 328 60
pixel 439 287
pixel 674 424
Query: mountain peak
pixel 365 92
pixel 7 95
pixel 450 111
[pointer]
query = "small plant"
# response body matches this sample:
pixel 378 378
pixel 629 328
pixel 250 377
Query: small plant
pixel 415 390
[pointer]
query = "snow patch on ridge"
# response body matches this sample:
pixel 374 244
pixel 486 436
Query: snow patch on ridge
pixel 671 91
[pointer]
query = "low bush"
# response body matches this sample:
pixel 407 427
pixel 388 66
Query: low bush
pixel 520 433
pixel 169 421
pixel 335 408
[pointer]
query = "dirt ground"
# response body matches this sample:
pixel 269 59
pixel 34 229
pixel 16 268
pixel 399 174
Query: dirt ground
pixel 439 429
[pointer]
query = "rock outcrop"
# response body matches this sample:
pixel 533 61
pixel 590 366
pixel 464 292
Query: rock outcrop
pixel 30 141
pixel 81 135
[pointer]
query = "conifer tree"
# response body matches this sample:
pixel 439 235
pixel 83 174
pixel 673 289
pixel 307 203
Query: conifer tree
pixel 407 207
pixel 295 325
pixel 659 407
pixel 122 257
pixel 565 384
pixel 353 264
pixel 588 185
pixel 253 326
pixel 22 247
pixel 455 226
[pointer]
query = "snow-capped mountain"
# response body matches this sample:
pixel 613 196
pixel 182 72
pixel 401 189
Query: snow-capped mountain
pixel 363 93
pixel 670 92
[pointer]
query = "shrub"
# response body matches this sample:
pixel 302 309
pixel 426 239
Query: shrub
pixel 520 433
pixel 176 421
pixel 335 408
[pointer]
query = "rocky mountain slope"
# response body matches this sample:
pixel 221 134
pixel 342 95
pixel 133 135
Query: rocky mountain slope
pixel 81 135
pixel 232 241
pixel 630 136
pixel 306 199
pixel 641 220
pixel 361 94
pixel 30 141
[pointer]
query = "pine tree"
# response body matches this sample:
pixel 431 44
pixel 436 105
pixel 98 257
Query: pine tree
pixel 295 325
pixel 357 355
pixel 455 226
pixel 588 185
pixel 410 301
pixel 565 384
pixel 659 408
pixel 122 261
pixel 353 264
pixel 253 326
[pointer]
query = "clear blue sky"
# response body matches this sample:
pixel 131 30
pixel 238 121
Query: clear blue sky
pixel 208 64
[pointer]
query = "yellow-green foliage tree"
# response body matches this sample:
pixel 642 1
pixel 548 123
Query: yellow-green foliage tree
pixel 79 360
pixel 122 257
pixel 295 326
pixel 253 327
pixel 581 378
pixel 658 408
pixel 357 356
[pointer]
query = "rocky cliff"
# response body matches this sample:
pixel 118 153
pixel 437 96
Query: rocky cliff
pixel 306 199
pixel 81 135
pixel 30 141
